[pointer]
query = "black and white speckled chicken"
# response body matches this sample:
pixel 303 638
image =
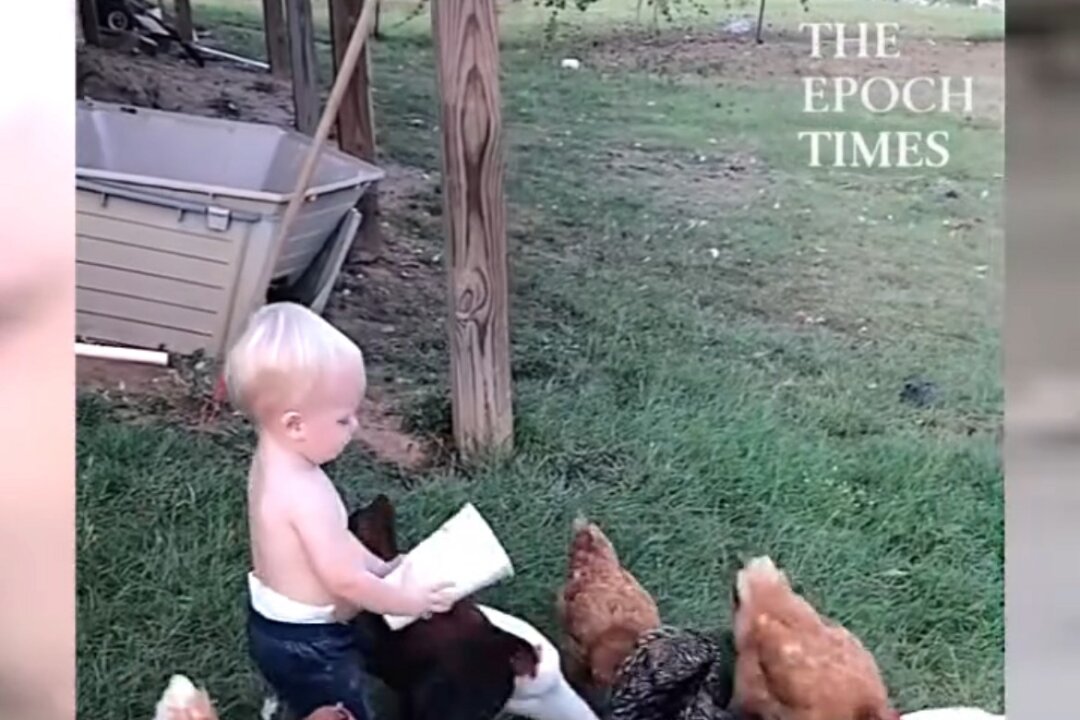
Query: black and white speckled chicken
pixel 676 674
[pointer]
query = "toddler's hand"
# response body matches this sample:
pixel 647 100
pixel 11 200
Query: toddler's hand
pixel 391 565
pixel 429 597
pixel 439 597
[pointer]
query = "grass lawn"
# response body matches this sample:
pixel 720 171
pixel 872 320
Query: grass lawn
pixel 710 345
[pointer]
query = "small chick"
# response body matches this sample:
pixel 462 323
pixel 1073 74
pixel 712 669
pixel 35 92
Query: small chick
pixel 791 663
pixel 183 701
pixel 602 607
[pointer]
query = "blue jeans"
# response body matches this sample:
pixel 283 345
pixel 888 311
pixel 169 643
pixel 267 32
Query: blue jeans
pixel 310 666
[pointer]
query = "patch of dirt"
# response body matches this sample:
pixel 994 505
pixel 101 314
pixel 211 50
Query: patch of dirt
pixel 394 308
pixel 142 393
pixel 784 58
pixel 220 89
pixel 112 375
pixel 383 433
pixel 180 393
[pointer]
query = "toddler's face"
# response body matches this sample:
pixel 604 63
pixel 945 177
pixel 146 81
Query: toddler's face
pixel 331 422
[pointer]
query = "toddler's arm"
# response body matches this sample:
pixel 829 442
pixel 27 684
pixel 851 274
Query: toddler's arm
pixel 340 562
pixel 384 568
pixel 376 565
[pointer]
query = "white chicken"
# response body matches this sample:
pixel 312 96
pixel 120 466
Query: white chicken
pixel 951 713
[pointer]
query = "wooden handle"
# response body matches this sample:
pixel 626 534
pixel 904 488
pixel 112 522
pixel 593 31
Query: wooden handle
pixel 360 34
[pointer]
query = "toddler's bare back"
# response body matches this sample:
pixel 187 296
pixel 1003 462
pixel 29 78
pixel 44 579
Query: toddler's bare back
pixel 274 505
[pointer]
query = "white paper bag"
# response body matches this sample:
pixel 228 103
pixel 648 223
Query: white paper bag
pixel 464 551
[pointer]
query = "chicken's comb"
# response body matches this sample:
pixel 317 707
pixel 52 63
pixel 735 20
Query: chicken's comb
pixel 762 568
pixel 763 563
pixel 580 522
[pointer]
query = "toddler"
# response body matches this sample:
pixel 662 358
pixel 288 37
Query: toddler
pixel 301 381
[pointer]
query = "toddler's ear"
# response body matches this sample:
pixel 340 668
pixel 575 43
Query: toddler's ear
pixel 292 424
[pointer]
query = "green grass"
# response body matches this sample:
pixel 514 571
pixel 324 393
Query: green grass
pixel 663 383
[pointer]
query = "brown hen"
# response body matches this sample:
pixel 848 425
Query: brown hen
pixel 602 607
pixel 794 665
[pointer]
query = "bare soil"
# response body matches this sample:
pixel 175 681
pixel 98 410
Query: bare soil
pixel 169 83
pixel 724 58
pixel 143 393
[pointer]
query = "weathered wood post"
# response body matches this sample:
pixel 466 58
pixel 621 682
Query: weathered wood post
pixel 356 119
pixel 88 19
pixel 305 78
pixel 185 25
pixel 277 37
pixel 467 59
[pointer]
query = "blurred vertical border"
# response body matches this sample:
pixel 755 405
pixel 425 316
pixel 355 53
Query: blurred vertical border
pixel 1042 358
pixel 37 364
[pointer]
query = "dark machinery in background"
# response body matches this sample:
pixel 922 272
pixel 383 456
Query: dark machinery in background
pixel 147 23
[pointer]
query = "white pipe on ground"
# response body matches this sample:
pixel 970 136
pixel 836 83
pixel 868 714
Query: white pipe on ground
pixel 114 352
pixel 214 52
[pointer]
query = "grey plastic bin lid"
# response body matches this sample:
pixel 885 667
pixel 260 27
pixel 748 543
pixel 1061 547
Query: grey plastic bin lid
pixel 219 157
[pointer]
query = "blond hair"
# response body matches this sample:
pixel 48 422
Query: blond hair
pixel 284 356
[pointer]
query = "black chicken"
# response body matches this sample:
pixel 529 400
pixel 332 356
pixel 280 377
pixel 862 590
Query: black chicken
pixel 676 675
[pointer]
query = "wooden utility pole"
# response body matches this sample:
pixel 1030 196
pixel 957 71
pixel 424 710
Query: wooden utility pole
pixel 277 37
pixel 467 59
pixel 355 122
pixel 184 24
pixel 88 20
pixel 305 78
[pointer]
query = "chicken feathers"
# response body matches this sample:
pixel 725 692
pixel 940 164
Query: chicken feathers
pixel 794 665
pixel 602 607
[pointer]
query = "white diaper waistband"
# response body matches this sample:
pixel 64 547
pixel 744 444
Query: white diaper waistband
pixel 272 605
